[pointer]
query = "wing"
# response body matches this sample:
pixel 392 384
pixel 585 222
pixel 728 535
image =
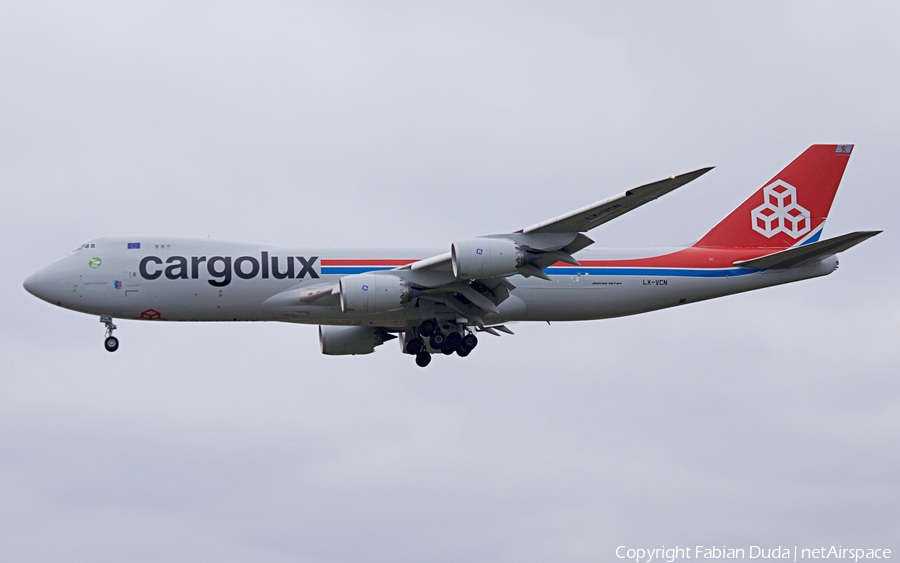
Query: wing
pixel 537 246
pixel 594 215
pixel 562 235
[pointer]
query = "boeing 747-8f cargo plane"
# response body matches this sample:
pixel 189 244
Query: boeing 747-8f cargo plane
pixel 436 302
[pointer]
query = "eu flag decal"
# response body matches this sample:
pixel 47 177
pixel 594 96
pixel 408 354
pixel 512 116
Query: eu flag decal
pixel 133 245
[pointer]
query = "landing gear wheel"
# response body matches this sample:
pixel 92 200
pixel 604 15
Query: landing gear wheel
pixel 423 359
pixel 437 340
pixel 469 342
pixel 462 352
pixel 427 328
pixel 446 349
pixel 414 346
pixel 111 344
pixel 454 339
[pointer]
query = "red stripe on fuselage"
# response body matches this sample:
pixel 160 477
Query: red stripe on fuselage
pixel 686 258
pixel 693 257
pixel 368 262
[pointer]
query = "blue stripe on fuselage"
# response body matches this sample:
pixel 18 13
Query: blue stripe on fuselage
pixel 571 271
pixel 660 272
pixel 348 270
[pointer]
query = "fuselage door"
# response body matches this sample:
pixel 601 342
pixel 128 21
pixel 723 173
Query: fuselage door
pixel 131 280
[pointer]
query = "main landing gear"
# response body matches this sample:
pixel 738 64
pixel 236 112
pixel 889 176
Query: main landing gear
pixel 423 358
pixel 456 340
pixel 111 343
pixel 427 328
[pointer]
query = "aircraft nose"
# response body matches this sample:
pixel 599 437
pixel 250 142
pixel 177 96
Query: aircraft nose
pixel 47 283
pixel 40 285
pixel 31 284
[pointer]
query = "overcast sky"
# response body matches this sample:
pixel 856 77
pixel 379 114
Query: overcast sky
pixel 769 418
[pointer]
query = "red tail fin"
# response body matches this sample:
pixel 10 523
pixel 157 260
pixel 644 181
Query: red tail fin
pixel 791 208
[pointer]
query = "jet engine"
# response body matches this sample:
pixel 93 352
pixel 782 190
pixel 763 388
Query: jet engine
pixel 344 340
pixel 370 293
pixel 481 258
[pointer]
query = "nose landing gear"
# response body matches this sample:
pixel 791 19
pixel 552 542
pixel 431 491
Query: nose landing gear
pixel 111 343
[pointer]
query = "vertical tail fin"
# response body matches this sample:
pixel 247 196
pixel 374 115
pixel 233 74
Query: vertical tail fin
pixel 791 208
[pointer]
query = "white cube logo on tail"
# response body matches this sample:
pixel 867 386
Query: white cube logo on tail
pixel 780 212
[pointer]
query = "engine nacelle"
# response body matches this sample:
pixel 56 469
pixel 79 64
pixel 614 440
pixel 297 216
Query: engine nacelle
pixel 344 340
pixel 480 258
pixel 370 293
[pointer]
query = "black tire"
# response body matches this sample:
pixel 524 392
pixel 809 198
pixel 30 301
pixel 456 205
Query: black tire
pixel 414 346
pixel 427 328
pixel 462 352
pixel 111 344
pixel 454 339
pixel 447 349
pixel 437 340
pixel 423 359
pixel 469 342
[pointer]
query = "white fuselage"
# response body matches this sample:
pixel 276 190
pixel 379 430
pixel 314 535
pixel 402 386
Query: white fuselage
pixel 179 279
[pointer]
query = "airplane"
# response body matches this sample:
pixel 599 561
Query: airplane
pixel 437 302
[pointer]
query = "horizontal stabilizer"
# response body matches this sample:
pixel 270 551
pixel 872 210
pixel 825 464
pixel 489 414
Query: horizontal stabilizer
pixel 800 255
